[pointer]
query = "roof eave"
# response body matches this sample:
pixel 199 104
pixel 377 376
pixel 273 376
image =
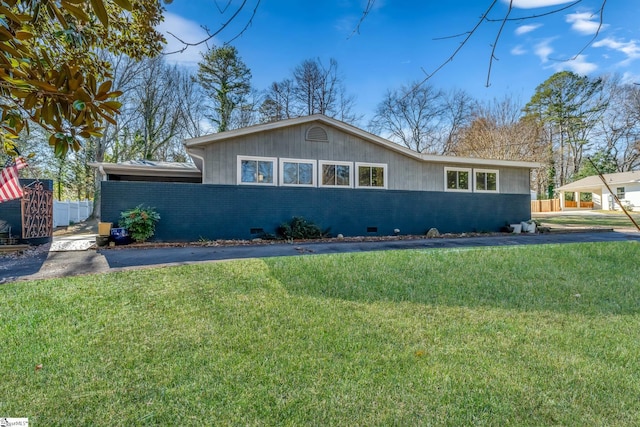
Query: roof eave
pixel 113 168
pixel 345 127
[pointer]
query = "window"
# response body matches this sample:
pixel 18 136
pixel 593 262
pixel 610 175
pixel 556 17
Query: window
pixel 620 193
pixel 486 180
pixel 297 172
pixel 457 179
pixel 371 175
pixel 335 174
pixel 256 170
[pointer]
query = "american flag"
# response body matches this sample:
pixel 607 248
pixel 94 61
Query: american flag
pixel 9 183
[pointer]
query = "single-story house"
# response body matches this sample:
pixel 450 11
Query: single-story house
pixel 338 176
pixel 625 185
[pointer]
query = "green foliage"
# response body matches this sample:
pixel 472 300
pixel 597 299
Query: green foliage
pixel 604 161
pixel 300 228
pixel 50 73
pixel 140 222
pixel 227 80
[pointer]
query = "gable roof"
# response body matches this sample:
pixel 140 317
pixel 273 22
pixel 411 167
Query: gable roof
pixel 347 128
pixel 594 181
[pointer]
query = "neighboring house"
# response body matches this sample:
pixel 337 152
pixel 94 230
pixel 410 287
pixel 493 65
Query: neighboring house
pixel 626 185
pixel 336 175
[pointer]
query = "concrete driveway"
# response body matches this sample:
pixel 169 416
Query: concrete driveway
pixel 67 263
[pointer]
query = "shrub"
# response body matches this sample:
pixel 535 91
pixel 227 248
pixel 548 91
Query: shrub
pixel 300 228
pixel 139 222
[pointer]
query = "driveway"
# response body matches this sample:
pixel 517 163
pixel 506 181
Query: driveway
pixel 42 265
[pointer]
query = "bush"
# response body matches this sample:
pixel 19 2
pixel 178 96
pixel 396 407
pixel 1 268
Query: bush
pixel 139 222
pixel 300 228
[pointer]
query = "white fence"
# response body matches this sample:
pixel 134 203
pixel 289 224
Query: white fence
pixel 71 212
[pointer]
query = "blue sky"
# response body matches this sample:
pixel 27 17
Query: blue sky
pixel 401 40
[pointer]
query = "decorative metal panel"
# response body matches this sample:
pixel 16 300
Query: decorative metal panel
pixel 37 211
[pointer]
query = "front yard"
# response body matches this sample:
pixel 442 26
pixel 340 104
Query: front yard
pixel 545 335
pixel 589 219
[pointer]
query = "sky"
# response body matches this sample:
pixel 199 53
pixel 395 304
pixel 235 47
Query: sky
pixel 404 41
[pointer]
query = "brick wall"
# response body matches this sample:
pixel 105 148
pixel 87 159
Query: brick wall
pixel 199 211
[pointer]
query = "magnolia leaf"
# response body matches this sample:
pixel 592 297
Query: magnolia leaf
pixel 60 149
pixel 43 85
pixel 100 11
pixel 105 87
pixel 23 35
pixel 125 4
pixel 112 105
pixel 78 12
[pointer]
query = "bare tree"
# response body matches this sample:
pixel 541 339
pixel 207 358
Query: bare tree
pixel 316 87
pixel 620 126
pixel 421 117
pixel 499 131
pixel 278 102
pixel 313 89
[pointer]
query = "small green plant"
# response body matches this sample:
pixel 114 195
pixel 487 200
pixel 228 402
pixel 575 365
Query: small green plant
pixel 139 222
pixel 300 228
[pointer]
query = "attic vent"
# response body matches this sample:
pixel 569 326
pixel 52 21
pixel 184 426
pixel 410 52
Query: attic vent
pixel 316 133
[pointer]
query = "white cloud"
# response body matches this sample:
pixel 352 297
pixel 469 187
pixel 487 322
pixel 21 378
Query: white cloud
pixel 524 29
pixel 630 78
pixel 532 4
pixel 631 48
pixel 518 50
pixel 187 31
pixel 585 23
pixel 543 50
pixel 579 65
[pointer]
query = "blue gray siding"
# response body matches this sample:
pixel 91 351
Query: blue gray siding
pixel 403 172
pixel 200 211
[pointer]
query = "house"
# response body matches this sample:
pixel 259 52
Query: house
pixel 331 173
pixel 625 185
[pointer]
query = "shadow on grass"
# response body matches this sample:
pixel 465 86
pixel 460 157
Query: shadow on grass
pixel 591 278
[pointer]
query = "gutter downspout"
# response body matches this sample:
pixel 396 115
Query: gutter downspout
pixel 199 157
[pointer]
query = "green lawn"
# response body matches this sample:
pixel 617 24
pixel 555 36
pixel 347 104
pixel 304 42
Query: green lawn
pixel 604 219
pixel 544 335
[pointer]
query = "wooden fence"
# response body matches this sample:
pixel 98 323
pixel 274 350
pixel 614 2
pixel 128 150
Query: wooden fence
pixel 551 205
pixel 574 204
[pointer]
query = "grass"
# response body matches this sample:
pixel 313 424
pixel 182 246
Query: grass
pixel 545 335
pixel 606 219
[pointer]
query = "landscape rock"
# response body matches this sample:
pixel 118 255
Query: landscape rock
pixel 433 232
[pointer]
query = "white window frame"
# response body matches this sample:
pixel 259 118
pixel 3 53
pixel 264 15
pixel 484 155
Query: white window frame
pixel 322 163
pixel 497 172
pixel 273 160
pixel 314 175
pixel 621 190
pixel 471 179
pixel 372 165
